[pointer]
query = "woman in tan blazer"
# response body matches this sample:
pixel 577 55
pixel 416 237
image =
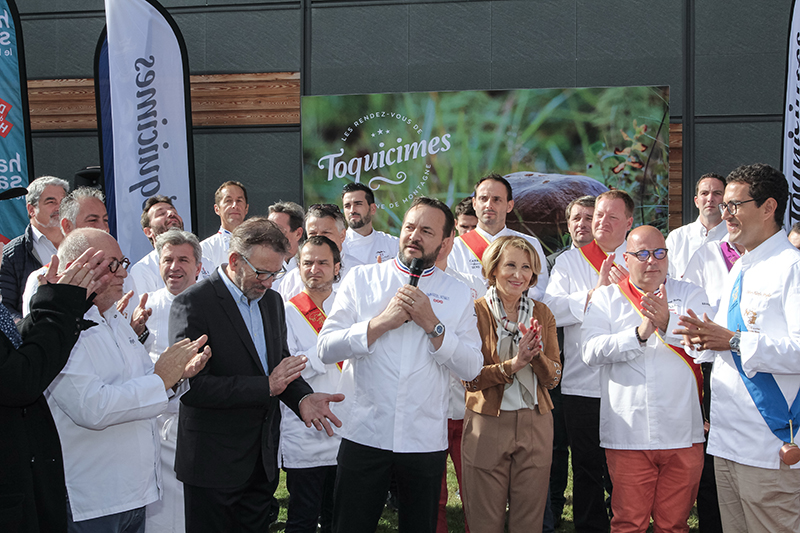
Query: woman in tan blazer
pixel 508 428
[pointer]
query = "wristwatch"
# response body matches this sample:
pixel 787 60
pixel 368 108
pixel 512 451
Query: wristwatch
pixel 438 331
pixel 735 340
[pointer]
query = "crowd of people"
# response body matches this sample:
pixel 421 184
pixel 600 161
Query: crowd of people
pixel 356 361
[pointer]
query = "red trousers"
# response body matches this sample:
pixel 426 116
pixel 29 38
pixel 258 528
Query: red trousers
pixel 658 483
pixel 454 430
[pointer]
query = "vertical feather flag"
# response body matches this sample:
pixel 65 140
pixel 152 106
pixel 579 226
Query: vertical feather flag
pixel 144 117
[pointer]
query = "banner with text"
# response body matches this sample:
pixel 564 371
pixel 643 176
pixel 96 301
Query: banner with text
pixel 16 156
pixel 553 145
pixel 791 120
pixel 144 117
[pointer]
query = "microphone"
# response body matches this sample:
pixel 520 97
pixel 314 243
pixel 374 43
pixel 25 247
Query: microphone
pixel 415 271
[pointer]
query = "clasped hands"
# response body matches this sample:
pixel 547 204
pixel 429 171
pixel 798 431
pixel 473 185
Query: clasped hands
pixel 530 345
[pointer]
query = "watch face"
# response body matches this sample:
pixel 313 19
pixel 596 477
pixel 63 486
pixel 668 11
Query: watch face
pixel 439 329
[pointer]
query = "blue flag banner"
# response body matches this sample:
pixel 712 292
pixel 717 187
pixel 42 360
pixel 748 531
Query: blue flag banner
pixel 144 117
pixel 15 138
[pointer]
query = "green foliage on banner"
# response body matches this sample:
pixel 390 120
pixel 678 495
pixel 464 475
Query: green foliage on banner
pixel 617 136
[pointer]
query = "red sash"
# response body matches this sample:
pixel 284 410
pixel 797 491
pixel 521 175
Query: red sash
pixel 634 296
pixel 313 314
pixel 594 255
pixel 476 243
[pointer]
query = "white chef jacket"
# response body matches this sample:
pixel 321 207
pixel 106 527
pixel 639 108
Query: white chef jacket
pixel 400 389
pixel 571 280
pixel 291 284
pixel 649 398
pixel 770 307
pixel 147 276
pixel 463 260
pixel 683 242
pixel 105 402
pixel 288 266
pixel 300 446
pixel 366 250
pixel 166 515
pixel 707 269
pixel 215 249
pixel 477 288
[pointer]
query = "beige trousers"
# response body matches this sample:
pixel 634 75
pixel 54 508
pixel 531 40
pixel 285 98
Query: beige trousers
pixel 755 500
pixel 506 460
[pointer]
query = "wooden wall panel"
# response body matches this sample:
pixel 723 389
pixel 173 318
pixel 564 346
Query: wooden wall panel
pixel 258 99
pixel 675 175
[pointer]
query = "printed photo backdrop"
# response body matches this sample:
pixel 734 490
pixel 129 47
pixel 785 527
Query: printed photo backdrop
pixel 552 144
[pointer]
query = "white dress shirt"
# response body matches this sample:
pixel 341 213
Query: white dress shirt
pixel 649 397
pixel 366 250
pixel 147 276
pixel 708 269
pixel 215 249
pixel 400 384
pixel 571 280
pixel 770 307
pixel 683 242
pixel 42 247
pixel 463 260
pixel 105 402
pixel 300 446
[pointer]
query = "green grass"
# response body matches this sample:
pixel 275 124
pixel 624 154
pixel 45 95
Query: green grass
pixel 455 515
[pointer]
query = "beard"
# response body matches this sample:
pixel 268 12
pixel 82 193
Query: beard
pixel 360 222
pixel 428 259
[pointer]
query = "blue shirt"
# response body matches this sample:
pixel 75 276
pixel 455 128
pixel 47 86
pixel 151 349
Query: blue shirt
pixel 251 314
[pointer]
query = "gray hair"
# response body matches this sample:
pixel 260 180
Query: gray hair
pixel 37 186
pixel 75 244
pixel 178 237
pixel 71 204
pixel 258 231
pixel 329 211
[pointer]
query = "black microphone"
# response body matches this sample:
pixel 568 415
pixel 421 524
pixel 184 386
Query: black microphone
pixel 415 271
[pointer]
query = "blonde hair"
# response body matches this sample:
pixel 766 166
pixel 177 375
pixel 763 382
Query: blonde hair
pixel 491 257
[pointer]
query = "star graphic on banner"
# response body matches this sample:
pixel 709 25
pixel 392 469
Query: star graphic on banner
pixel 380 132
pixel 387 132
pixel 373 135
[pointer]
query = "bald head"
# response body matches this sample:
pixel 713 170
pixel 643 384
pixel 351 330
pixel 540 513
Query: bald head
pixel 652 272
pixel 80 240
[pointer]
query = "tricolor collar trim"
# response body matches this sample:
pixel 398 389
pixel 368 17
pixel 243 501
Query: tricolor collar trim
pixel 402 268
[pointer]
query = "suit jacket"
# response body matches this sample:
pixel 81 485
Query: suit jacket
pixel 33 496
pixel 485 393
pixel 18 263
pixel 225 417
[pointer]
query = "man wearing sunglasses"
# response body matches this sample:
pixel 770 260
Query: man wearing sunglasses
pixel 651 422
pixel 754 341
pixel 226 449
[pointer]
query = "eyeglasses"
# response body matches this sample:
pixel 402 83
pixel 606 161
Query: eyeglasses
pixel 114 265
pixel 732 207
pixel 644 255
pixel 264 275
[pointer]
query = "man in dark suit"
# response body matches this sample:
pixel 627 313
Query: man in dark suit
pixel 226 452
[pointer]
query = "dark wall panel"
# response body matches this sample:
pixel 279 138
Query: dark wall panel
pixel 533 44
pixel 722 147
pixel 359 50
pixel 62 156
pixel 449 46
pixel 61 47
pixel 268 164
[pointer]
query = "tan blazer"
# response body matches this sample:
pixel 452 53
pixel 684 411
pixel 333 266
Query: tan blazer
pixel 485 393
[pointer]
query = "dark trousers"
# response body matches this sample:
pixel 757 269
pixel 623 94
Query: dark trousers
pixel 240 509
pixel 559 469
pixel 362 480
pixel 589 471
pixel 310 499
